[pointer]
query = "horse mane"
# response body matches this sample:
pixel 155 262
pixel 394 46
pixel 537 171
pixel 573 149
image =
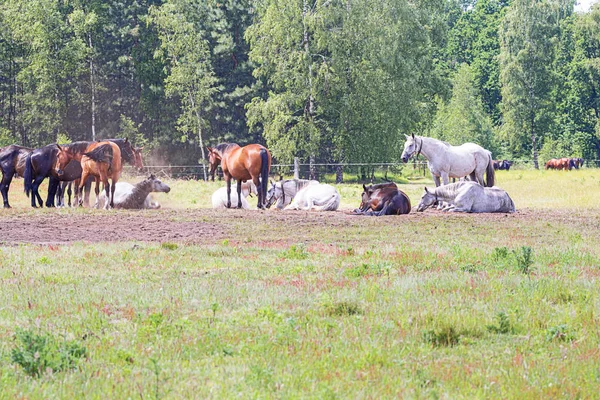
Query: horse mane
pixel 223 148
pixel 126 151
pixel 102 153
pixel 450 190
pixel 77 147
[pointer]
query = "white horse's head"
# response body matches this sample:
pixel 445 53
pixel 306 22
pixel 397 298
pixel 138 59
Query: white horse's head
pixel 410 147
pixel 427 200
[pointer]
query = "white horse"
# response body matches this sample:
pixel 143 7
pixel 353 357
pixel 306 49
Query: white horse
pixel 447 161
pixel 219 197
pixel 468 197
pixel 317 196
pixel 136 197
pixel 283 192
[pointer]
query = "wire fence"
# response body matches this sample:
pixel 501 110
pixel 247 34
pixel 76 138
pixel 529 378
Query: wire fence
pixel 328 172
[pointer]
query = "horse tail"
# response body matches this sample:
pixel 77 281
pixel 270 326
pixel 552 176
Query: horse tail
pixel 264 175
pixel 490 174
pixel 103 154
pixel 28 175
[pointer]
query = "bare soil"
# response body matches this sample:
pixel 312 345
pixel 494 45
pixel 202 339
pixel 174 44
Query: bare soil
pixel 207 226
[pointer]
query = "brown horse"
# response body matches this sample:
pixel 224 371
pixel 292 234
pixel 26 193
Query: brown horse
pixel 102 160
pixel 12 163
pixel 251 162
pixel 383 199
pixel 558 163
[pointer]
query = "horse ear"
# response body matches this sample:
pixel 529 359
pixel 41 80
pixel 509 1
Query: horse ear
pixel 413 135
pixel 209 149
pixel 408 137
pixel 152 177
pixel 59 148
pixel 426 190
pixel 126 139
pixel 364 187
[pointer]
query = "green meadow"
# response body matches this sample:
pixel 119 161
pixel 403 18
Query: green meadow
pixel 306 305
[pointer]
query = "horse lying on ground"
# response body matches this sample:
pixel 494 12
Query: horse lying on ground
pixel 12 163
pixel 136 197
pixel 316 196
pixel 383 199
pixel 446 161
pixel 468 197
pixel 284 191
pixel 219 197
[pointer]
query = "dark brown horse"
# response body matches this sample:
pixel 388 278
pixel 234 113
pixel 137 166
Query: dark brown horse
pixel 502 164
pixel 251 162
pixel 12 162
pixel 383 199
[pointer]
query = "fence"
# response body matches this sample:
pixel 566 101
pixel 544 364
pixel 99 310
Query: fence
pixel 345 172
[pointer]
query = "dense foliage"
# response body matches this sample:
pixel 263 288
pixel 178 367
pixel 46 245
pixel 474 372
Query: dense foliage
pixel 322 80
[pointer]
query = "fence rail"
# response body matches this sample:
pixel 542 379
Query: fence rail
pixel 330 172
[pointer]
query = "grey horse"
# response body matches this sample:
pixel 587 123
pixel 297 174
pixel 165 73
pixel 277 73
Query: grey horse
pixel 468 197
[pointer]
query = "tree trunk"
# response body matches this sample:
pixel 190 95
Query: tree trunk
pixel 92 87
pixel 534 145
pixel 200 141
pixel 339 174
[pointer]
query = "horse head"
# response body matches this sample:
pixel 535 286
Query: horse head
pixel 63 158
pixel 271 196
pixel 410 147
pixel 214 159
pixel 427 200
pixel 157 185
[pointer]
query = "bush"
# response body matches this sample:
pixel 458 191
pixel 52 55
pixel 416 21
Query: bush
pixel 37 353
pixel 504 326
pixel 445 336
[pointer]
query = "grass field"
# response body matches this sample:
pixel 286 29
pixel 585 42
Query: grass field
pixel 315 306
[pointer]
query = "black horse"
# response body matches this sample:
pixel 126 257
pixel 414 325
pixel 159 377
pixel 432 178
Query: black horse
pixel 41 162
pixel 12 162
pixel 502 165
pixel 383 199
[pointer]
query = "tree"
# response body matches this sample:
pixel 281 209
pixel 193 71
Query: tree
pixel 464 119
pixel 527 37
pixel 190 78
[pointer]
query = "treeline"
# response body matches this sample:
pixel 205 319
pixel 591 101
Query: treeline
pixel 322 80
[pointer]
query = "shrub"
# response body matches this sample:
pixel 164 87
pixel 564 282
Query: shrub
pixel 445 336
pixel 295 252
pixel 37 353
pixel 342 308
pixel 504 326
pixel 560 333
pixel 524 259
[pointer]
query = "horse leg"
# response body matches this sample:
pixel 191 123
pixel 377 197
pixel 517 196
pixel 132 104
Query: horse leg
pixel 239 193
pixel 436 179
pixel 228 180
pixel 97 191
pixel 69 192
pixel 6 180
pixel 53 187
pixel 35 194
pixel 113 186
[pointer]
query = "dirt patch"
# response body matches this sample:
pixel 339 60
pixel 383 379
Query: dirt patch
pixel 207 226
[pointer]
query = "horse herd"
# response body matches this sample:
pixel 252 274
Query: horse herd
pixel 564 163
pixel 82 163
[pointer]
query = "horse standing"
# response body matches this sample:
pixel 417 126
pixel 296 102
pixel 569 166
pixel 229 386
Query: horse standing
pixel 558 163
pixel 383 199
pixel 468 197
pixel 251 162
pixel 12 162
pixel 102 160
pixel 446 161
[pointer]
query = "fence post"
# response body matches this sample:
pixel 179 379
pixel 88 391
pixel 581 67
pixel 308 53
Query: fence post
pixel 296 168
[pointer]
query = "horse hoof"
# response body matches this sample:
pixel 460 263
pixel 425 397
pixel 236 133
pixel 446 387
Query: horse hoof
pixel 7 206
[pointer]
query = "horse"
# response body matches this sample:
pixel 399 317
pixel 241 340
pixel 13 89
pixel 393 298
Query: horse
pixel 102 160
pixel 251 162
pixel 383 199
pixel 136 197
pixel 40 164
pixel 219 197
pixel 317 196
pixel 12 163
pixel 446 161
pixel 558 163
pixel 284 191
pixel 502 164
pixel 131 155
pixel 468 197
